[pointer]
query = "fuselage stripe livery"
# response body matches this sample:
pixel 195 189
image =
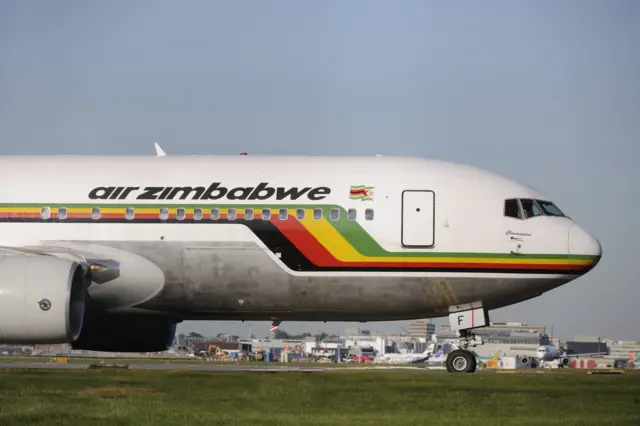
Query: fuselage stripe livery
pixel 317 244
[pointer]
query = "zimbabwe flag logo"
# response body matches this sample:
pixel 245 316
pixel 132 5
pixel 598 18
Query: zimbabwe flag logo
pixel 361 192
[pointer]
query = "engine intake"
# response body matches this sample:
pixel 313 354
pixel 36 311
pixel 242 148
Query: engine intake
pixel 42 299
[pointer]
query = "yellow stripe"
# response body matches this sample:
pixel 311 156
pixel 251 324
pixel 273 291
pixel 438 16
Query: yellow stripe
pixel 141 210
pixel 76 211
pixel 19 210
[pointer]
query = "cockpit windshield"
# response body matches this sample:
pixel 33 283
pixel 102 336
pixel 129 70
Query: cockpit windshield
pixel 530 208
pixel 550 209
pixel 527 208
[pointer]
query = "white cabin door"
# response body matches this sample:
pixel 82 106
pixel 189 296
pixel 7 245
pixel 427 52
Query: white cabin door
pixel 418 218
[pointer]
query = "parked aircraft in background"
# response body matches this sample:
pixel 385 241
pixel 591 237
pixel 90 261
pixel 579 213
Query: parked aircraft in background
pixel 405 358
pixel 548 355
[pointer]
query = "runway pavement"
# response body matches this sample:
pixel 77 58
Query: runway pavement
pixel 197 367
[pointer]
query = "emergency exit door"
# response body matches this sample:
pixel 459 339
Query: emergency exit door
pixel 418 218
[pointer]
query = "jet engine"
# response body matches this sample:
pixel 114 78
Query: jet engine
pixel 131 333
pixel 42 299
pixel 563 362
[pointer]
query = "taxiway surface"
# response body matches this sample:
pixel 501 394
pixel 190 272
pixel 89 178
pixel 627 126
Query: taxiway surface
pixel 195 367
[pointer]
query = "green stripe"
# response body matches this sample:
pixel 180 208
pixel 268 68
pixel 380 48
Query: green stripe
pixel 350 230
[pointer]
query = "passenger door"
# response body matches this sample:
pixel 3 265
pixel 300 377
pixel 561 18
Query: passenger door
pixel 418 219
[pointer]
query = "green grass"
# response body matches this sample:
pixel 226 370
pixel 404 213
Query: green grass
pixel 121 397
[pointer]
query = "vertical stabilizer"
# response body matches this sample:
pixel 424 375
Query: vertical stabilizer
pixel 159 151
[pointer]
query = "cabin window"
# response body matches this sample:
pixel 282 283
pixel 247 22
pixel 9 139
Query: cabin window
pixel 266 214
pixel 164 213
pixel 317 214
pixel 197 214
pixel 368 214
pixel 129 214
pixel 214 214
pixel 334 214
pixel 248 214
pixel 300 214
pixel 95 213
pixel 353 213
pixel 283 214
pixel 45 213
pixel 231 215
pixel 62 213
pixel 530 209
pixel 511 209
pixel 181 213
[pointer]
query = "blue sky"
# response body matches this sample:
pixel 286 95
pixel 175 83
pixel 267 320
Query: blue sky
pixel 546 92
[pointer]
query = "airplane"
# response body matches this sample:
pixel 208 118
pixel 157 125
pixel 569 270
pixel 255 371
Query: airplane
pixel 407 358
pixel 110 253
pixel 549 355
pixel 435 354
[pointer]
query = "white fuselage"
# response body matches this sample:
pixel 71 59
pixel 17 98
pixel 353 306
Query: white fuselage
pixel 164 237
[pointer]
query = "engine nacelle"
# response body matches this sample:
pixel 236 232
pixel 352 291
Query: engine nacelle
pixel 114 333
pixel 563 362
pixel 42 299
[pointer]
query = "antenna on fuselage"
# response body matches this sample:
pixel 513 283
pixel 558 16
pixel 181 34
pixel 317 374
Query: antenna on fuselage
pixel 159 151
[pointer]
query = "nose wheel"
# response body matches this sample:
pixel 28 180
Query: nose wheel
pixel 461 361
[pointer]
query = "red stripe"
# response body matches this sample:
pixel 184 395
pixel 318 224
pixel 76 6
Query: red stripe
pixel 79 216
pixel 147 216
pixel 305 242
pixel 112 215
pixel 8 215
pixel 31 215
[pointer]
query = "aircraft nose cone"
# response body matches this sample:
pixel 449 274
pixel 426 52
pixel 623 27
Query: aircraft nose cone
pixel 584 245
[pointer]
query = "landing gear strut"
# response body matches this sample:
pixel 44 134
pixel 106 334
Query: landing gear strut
pixel 463 322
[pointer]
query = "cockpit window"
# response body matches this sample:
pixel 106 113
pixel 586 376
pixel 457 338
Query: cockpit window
pixel 511 209
pixel 531 209
pixel 550 209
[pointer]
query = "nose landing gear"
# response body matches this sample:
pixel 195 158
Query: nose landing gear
pixel 462 360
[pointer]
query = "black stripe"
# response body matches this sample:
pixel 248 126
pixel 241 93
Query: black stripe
pixel 293 258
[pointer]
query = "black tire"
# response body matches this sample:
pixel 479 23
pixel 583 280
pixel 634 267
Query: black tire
pixel 461 361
